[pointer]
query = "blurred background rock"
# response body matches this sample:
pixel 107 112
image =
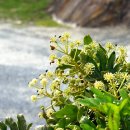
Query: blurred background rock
pixel 94 13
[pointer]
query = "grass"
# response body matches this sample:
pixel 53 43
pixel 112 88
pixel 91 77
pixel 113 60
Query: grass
pixel 27 11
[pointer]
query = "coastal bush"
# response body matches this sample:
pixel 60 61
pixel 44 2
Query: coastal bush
pixel 89 88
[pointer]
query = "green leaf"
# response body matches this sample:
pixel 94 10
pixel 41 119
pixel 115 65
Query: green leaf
pixel 61 123
pixel 128 67
pixel 111 61
pixel 29 126
pixel 117 67
pixel 102 58
pixel 125 122
pixel 21 122
pixel 85 120
pixel 80 113
pixel 73 127
pixel 113 117
pixel 123 93
pixel 104 96
pixel 69 111
pixel 85 58
pixel 3 126
pixel 74 53
pixel 89 102
pixel 87 40
pixel 64 66
pixel 86 127
pixel 124 103
pixel 12 125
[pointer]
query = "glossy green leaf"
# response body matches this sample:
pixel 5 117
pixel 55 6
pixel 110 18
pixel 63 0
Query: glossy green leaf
pixel 69 111
pixel 113 117
pixel 80 113
pixel 86 127
pixel 64 66
pixel 75 54
pixel 73 127
pixel 89 102
pixel 104 96
pixel 124 103
pixel 87 40
pixel 61 123
pixel 111 61
pixel 85 120
pixel 117 67
pixel 123 93
pixel 102 58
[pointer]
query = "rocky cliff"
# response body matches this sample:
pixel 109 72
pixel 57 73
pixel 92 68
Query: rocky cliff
pixel 92 12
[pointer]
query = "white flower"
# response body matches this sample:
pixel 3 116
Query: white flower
pixel 33 82
pixel 66 35
pixel 89 68
pixel 40 91
pixel 72 45
pixel 53 39
pixel 99 85
pixel 34 98
pixel 52 57
pixel 49 112
pixel 42 76
pixel 49 74
pixel 109 46
pixel 63 39
pixel 40 115
pixel 55 84
pixel 109 76
pixel 78 42
pixel 65 59
pixel 122 51
pixel 43 82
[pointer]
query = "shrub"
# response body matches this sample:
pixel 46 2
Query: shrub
pixel 96 84
pixel 89 88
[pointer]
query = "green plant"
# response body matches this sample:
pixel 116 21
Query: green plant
pixel 89 89
pixel 27 11
pixel 20 124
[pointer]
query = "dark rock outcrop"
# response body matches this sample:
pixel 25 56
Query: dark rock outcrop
pixel 92 12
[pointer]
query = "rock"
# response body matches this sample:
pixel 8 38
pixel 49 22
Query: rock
pixel 92 12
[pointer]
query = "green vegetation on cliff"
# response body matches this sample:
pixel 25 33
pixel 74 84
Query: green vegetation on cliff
pixel 26 11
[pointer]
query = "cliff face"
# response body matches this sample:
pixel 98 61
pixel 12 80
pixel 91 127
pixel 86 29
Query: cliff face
pixel 92 12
